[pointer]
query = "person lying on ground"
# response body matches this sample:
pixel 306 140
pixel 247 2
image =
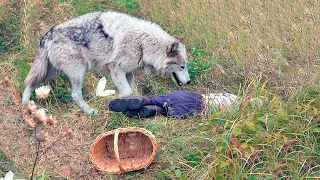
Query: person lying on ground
pixel 179 104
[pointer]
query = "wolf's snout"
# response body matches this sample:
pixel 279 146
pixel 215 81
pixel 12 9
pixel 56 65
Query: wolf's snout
pixel 181 77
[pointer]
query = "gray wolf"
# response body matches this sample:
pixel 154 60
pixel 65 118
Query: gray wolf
pixel 106 40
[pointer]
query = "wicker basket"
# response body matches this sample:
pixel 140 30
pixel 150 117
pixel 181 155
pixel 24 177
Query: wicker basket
pixel 123 150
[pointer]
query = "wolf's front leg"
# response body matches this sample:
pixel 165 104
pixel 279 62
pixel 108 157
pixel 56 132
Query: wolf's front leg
pixel 119 78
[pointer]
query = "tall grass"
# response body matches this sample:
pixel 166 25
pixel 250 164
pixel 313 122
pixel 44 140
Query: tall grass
pixel 277 39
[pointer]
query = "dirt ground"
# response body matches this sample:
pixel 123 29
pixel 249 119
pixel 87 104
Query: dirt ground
pixel 68 158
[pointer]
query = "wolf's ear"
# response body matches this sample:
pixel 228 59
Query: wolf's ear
pixel 181 39
pixel 173 49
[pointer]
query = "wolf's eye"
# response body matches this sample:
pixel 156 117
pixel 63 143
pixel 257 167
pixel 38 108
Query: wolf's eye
pixel 182 67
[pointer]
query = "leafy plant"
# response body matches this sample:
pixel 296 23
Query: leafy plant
pixel 201 62
pixel 61 89
pixel 193 157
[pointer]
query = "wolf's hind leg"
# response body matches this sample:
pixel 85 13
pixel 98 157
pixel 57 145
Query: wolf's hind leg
pixel 130 79
pixel 27 93
pixel 52 73
pixel 76 79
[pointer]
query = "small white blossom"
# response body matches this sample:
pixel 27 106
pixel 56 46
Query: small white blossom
pixel 42 92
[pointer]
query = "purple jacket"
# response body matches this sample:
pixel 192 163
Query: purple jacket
pixel 180 104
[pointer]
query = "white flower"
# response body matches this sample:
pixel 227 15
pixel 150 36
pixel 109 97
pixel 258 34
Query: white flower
pixel 42 92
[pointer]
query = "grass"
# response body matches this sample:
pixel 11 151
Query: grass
pixel 250 48
pixel 5 164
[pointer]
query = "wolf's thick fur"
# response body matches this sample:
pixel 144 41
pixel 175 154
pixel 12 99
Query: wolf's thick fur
pixel 106 40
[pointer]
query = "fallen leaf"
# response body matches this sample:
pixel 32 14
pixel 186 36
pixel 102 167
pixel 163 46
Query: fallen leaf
pixel 5 81
pixel 68 133
pixel 51 120
pixel 64 19
pixel 28 119
pixel 237 144
pixel 16 96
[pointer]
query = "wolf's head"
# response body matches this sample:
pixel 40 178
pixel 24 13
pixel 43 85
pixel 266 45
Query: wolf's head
pixel 177 63
pixel 166 57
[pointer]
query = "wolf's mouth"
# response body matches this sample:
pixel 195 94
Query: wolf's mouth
pixel 177 79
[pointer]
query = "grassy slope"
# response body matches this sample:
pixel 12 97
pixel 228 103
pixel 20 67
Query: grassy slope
pixel 261 49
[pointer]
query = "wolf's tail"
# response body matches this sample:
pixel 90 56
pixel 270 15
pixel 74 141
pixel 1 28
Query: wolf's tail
pixel 38 69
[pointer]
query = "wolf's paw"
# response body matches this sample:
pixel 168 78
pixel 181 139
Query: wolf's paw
pixel 89 111
pixel 92 111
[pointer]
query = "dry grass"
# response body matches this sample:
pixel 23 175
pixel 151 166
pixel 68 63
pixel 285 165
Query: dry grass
pixel 277 39
pixel 262 48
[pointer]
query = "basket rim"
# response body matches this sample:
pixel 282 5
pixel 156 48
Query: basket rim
pixel 124 130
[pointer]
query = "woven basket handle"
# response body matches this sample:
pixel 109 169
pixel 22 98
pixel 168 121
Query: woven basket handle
pixel 116 150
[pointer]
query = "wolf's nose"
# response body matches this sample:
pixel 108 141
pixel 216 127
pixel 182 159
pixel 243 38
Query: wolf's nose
pixel 188 82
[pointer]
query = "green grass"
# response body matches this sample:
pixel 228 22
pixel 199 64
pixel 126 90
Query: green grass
pixel 200 63
pixel 249 48
pixel 6 165
pixel 23 69
pixel 128 6
pixel 83 6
